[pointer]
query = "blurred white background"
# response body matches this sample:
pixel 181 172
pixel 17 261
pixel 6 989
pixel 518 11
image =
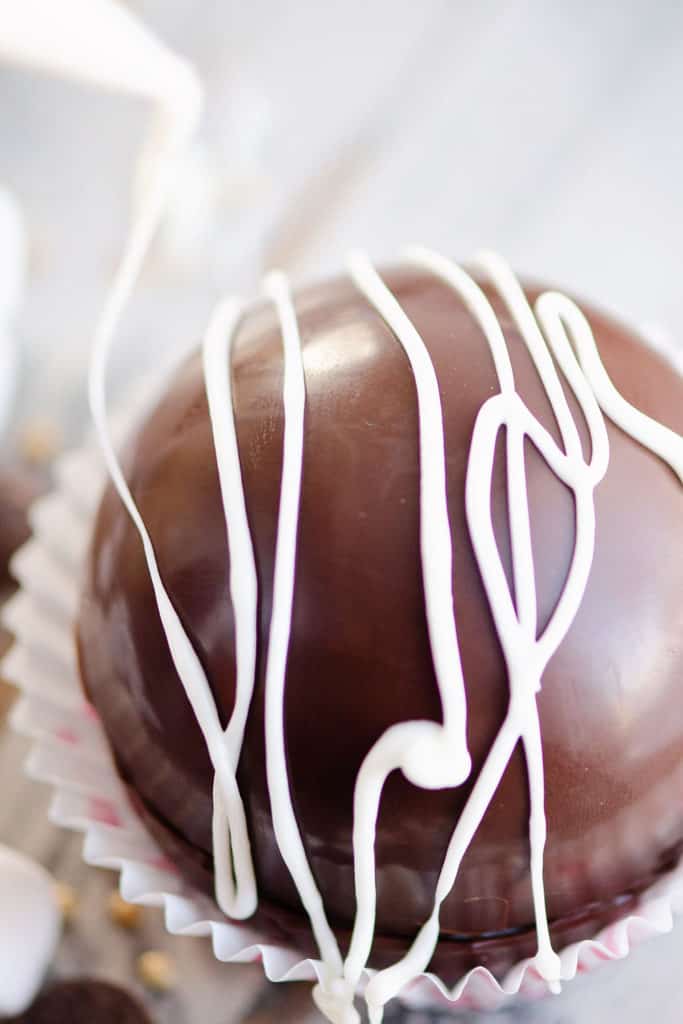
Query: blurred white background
pixel 550 131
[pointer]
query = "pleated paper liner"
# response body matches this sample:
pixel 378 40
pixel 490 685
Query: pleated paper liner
pixel 70 752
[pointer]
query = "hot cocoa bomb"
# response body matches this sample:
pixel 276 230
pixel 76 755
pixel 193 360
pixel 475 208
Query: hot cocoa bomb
pixel 359 656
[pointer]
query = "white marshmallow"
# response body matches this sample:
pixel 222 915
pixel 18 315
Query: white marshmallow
pixel 29 929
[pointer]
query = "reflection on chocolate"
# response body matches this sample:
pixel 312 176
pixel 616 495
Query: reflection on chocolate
pixel 359 657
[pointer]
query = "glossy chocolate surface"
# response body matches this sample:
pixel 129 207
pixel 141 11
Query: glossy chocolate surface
pixel 359 661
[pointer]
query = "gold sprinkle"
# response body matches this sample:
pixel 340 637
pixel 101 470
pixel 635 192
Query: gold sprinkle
pixel 67 901
pixel 39 440
pixel 156 970
pixel 124 914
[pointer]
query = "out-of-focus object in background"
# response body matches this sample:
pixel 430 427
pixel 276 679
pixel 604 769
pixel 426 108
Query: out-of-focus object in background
pixel 19 488
pixel 96 41
pixel 122 913
pixel 156 970
pixel 67 901
pixel 211 201
pixel 84 1001
pixel 39 440
pixel 29 929
pixel 13 260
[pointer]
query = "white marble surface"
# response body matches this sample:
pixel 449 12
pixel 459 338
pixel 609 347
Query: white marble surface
pixel 549 131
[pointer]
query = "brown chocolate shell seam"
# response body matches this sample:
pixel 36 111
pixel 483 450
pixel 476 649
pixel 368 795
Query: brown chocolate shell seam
pixel 455 954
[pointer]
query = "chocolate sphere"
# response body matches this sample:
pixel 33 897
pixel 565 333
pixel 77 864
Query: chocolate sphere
pixel 359 657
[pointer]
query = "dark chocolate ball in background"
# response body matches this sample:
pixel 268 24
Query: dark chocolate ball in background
pixel 84 1002
pixel 20 486
pixel 359 659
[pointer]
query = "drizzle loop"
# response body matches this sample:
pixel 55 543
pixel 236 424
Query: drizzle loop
pixel 431 755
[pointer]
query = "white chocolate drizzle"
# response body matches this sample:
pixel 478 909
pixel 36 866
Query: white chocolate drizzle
pixel 235 888
pixel 284 818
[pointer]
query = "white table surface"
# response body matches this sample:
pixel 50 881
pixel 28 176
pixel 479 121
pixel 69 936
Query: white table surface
pixel 550 131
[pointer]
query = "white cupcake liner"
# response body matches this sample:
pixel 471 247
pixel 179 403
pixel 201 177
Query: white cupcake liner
pixel 70 752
